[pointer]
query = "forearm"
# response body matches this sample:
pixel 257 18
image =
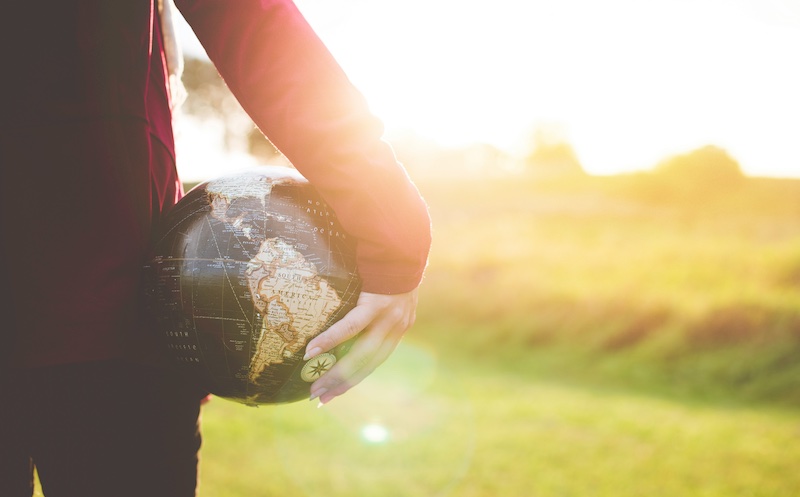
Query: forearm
pixel 298 95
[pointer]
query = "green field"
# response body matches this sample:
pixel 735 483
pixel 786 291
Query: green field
pixel 598 337
pixel 601 337
pixel 494 432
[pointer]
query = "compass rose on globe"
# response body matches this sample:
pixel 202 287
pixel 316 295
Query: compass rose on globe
pixel 317 366
pixel 248 268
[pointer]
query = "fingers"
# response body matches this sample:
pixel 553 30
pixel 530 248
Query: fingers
pixel 379 321
pixel 369 351
pixel 341 331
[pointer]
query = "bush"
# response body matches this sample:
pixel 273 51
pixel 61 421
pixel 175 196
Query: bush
pixel 705 169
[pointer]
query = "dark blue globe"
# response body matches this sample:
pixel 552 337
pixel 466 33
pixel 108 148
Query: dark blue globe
pixel 247 269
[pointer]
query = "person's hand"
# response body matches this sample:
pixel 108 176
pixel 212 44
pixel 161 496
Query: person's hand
pixel 380 321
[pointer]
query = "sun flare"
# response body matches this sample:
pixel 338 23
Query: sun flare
pixel 630 82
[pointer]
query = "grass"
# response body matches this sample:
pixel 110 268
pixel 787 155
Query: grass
pixel 700 293
pixel 466 428
pixel 602 337
pixel 598 337
pixel 403 432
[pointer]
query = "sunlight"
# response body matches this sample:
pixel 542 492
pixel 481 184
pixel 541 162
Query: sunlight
pixel 408 426
pixel 631 82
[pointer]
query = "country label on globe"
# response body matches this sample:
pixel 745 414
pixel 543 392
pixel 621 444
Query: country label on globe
pixel 250 267
pixel 293 299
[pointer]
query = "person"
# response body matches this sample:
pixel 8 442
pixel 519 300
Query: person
pixel 88 169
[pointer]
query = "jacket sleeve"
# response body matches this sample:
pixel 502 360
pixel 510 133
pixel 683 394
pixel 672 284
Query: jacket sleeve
pixel 300 98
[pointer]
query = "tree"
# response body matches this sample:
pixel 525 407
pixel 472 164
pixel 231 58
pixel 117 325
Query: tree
pixel 210 99
pixel 552 156
pixel 699 174
pixel 705 167
pixel 260 147
pixel 698 179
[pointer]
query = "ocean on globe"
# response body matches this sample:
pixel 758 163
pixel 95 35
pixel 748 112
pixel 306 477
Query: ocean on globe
pixel 247 269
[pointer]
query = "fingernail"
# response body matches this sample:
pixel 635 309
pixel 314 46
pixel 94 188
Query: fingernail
pixel 312 353
pixel 318 393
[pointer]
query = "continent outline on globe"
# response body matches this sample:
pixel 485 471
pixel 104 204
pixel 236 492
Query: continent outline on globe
pixel 295 302
pixel 248 268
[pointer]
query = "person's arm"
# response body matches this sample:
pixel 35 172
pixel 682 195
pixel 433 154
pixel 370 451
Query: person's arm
pixel 298 95
pixel 381 321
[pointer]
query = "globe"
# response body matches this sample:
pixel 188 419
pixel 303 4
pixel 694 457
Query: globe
pixel 246 270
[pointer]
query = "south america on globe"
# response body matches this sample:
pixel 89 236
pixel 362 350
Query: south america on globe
pixel 246 270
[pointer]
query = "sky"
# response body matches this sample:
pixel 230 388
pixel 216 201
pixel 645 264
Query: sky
pixel 626 82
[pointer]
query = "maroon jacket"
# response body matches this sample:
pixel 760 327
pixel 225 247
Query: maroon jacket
pixel 87 158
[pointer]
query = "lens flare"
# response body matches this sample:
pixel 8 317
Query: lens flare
pixel 375 433
pixel 408 429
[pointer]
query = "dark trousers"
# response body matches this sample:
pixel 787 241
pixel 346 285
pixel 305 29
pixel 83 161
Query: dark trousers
pixel 106 429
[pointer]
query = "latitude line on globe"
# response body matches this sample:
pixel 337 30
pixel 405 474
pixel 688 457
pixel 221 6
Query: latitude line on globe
pixel 223 319
pixel 302 270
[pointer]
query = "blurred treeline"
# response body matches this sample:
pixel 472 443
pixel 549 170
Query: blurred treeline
pixel 682 280
pixel 688 292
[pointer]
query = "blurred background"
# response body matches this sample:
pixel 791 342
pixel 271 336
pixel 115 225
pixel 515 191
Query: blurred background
pixel 612 306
